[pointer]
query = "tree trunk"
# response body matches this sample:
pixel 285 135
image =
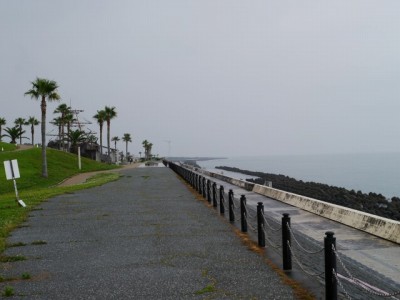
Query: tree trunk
pixel 68 136
pixel 33 133
pixel 20 137
pixel 108 141
pixel 101 139
pixel 43 127
pixel 63 131
pixel 59 136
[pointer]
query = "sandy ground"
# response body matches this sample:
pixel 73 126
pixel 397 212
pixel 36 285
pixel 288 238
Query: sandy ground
pixel 81 178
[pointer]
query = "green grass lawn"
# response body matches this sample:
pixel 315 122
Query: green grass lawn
pixel 60 165
pixel 7 147
pixel 33 188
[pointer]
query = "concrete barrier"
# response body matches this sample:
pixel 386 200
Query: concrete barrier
pixel 240 183
pixel 381 227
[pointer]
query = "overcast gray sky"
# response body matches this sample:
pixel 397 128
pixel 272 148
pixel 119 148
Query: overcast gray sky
pixel 215 77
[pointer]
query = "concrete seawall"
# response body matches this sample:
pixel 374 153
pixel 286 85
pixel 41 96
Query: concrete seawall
pixel 381 227
pixel 378 226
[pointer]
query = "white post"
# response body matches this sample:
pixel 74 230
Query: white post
pixel 79 158
pixel 12 172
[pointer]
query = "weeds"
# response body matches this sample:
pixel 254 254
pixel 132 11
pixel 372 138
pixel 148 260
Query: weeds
pixel 4 258
pixel 208 289
pixel 19 244
pixel 39 242
pixel 8 291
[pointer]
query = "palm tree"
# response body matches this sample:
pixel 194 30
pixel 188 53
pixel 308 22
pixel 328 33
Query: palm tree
pixel 147 149
pixel 19 122
pixel 115 139
pixel 69 119
pixel 43 88
pixel 76 137
pixel 91 139
pixel 33 122
pixel 58 122
pixel 127 139
pixel 110 114
pixel 62 109
pixel 149 146
pixel 100 117
pixel 14 133
pixel 2 123
pixel 145 144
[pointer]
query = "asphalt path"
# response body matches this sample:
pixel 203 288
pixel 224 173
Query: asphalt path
pixel 145 236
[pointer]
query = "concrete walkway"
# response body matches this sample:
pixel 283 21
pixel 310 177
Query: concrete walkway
pixel 145 236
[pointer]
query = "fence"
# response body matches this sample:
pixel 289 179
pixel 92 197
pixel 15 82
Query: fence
pixel 307 254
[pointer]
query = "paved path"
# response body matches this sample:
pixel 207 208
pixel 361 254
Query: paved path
pixel 145 236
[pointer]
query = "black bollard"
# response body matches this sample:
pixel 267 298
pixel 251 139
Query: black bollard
pixel 221 200
pixel 330 266
pixel 243 213
pixel 286 253
pixel 191 178
pixel 209 191
pixel 200 185
pixel 196 182
pixel 214 192
pixel 204 187
pixel 260 224
pixel 230 202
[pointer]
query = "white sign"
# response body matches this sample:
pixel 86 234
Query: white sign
pixel 12 170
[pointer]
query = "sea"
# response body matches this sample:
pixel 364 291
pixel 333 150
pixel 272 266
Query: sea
pixel 367 172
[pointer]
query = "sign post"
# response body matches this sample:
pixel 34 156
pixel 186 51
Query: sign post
pixel 12 172
pixel 79 158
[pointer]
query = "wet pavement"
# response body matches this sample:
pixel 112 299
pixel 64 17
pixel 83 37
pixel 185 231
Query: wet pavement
pixel 145 236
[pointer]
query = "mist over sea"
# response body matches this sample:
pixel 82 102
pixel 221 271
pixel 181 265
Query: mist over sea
pixel 372 172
